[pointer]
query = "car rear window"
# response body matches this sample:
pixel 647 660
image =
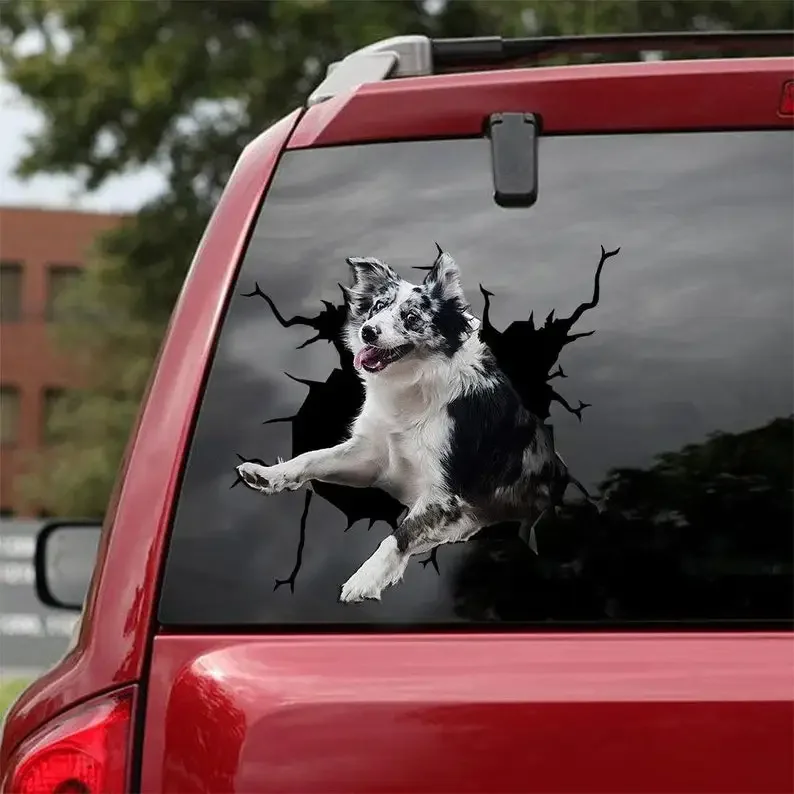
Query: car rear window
pixel 676 411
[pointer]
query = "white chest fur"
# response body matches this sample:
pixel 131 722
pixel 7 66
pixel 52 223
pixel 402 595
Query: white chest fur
pixel 405 417
pixel 413 436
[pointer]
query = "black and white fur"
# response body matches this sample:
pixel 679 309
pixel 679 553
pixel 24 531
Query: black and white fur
pixel 441 428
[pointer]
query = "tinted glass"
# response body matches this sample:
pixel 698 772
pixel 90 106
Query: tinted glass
pixel 687 381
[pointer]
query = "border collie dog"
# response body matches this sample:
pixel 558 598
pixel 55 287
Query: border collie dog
pixel 441 429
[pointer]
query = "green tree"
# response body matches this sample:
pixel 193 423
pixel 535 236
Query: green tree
pixel 184 86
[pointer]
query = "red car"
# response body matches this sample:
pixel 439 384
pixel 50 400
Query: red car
pixel 645 648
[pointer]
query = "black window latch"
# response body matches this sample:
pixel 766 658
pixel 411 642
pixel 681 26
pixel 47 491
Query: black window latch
pixel 514 158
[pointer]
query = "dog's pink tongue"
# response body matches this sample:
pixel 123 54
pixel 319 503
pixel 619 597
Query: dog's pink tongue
pixel 367 355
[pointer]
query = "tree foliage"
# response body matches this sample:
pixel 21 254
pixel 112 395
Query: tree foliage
pixel 704 532
pixel 184 86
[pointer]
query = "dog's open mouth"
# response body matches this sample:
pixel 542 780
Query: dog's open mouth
pixel 375 359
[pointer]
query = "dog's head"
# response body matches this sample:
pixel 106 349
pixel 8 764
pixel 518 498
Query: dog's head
pixel 391 319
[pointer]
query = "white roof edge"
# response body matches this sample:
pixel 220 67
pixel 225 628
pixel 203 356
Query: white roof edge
pixel 398 56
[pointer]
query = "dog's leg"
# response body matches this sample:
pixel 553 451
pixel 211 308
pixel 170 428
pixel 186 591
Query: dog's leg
pixel 354 463
pixel 423 529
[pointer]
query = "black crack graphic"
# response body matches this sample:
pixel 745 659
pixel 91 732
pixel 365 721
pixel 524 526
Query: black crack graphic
pixel 526 354
pixel 290 580
pixel 328 324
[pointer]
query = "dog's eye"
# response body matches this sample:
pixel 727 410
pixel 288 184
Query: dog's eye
pixel 378 305
pixel 412 318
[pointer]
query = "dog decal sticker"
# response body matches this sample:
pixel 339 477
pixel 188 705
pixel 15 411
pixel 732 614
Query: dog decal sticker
pixel 434 422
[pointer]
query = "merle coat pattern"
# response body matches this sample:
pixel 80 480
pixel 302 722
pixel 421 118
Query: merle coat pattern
pixel 441 429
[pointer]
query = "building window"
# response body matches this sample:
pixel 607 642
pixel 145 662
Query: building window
pixel 52 398
pixel 60 278
pixel 9 415
pixel 10 292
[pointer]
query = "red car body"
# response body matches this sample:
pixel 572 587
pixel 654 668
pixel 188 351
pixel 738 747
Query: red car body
pixel 469 712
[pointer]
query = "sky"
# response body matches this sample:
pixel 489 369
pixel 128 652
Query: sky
pixel 19 120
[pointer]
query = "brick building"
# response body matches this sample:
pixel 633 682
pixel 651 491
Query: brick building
pixel 41 251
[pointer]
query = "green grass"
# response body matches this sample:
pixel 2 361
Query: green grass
pixel 9 690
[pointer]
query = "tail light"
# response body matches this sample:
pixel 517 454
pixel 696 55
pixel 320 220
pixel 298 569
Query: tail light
pixel 85 751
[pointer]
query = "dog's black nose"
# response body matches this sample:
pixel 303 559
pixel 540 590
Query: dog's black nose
pixel 368 333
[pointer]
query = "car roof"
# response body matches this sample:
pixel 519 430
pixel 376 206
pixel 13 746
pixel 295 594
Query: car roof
pixel 418 55
pixel 661 96
pixel 413 86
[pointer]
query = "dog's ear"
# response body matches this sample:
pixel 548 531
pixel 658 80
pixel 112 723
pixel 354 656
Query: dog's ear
pixel 370 276
pixel 443 278
pixel 369 273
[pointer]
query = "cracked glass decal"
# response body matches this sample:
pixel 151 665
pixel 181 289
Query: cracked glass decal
pixel 525 354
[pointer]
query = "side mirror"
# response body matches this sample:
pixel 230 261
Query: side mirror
pixel 65 557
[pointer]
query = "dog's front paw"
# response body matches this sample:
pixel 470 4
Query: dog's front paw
pixel 267 479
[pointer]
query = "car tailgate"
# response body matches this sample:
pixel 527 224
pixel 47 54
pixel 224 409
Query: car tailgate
pixel 470 713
